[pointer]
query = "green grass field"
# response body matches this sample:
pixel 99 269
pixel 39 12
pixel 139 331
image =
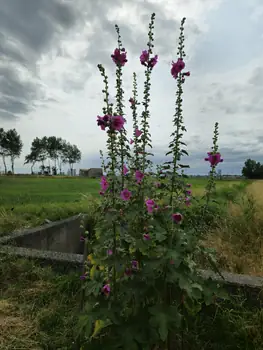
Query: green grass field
pixel 27 201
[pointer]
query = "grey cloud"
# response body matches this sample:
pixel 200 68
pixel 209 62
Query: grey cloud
pixel 28 28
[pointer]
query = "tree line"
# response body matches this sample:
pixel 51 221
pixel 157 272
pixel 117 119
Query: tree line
pixel 51 152
pixel 252 169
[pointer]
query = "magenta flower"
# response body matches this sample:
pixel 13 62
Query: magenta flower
pixel 101 193
pixel 117 122
pixel 214 158
pixel 150 204
pixel 146 60
pixel 153 61
pixel 106 289
pixel 177 67
pixel 135 264
pixel 103 122
pixel 144 57
pixel 138 132
pixel 104 184
pixel 125 194
pixel 109 252
pixel 132 101
pixel 83 277
pixel 82 239
pixel 188 185
pixel 189 192
pixel 146 237
pixel 139 176
pixel 187 74
pixel 119 57
pixel 131 141
pixel 157 184
pixel 125 170
pixel 187 201
pixel 177 218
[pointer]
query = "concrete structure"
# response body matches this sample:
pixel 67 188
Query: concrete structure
pixel 92 172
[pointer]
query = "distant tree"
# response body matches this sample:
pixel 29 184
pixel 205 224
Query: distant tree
pixel 38 153
pixel 71 155
pixel 55 150
pixel 252 169
pixel 3 147
pixel 13 146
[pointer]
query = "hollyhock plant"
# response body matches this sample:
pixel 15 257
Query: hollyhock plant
pixel 125 194
pixel 138 133
pixel 104 184
pixel 139 176
pixel 119 57
pixel 117 122
pixel 125 170
pixel 106 289
pixel 177 218
pixel 142 256
pixel 214 158
pixel 146 236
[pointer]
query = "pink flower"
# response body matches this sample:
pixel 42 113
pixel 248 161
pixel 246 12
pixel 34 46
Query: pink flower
pixel 153 61
pixel 103 122
pixel 146 237
pixel 104 184
pixel 138 132
pixel 131 100
pixel 177 218
pixel 131 141
pixel 188 185
pixel 189 192
pixel 109 252
pixel 187 201
pixel 150 204
pixel 177 67
pixel 187 74
pixel 106 289
pixel 101 193
pixel 139 176
pixel 158 184
pixel 144 57
pixel 214 158
pixel 125 194
pixel 117 122
pixel 119 57
pixel 135 264
pixel 125 170
pixel 146 60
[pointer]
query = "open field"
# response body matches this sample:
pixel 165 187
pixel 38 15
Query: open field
pixel 28 201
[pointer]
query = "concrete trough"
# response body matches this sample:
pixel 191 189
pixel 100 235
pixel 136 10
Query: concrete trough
pixel 58 245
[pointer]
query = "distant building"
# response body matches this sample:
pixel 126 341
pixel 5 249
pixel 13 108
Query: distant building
pixel 92 172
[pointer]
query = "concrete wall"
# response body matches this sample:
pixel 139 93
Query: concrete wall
pixel 59 236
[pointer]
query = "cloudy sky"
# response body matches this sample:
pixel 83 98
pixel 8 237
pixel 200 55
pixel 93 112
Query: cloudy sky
pixel 50 84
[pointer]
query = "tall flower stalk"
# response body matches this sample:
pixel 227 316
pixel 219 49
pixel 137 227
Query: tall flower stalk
pixel 214 158
pixel 179 127
pixel 149 62
pixel 119 58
